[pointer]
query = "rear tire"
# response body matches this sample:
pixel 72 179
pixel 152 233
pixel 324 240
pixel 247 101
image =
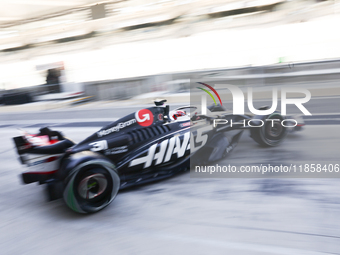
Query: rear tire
pixel 91 186
pixel 271 133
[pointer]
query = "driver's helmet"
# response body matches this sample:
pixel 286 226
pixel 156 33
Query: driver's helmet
pixel 174 115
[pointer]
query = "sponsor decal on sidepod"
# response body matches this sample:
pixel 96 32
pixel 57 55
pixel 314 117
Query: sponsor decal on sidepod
pixel 116 128
pixel 143 117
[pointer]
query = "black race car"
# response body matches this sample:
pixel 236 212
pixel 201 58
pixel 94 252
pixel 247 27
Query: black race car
pixel 144 146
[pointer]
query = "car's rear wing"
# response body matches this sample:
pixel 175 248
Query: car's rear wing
pixel 41 153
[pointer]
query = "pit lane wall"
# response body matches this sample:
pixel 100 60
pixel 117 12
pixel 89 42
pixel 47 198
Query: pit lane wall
pixel 322 76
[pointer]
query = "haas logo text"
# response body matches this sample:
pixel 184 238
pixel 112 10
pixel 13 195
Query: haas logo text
pixel 166 149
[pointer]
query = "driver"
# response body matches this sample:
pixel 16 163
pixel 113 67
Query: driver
pixel 177 114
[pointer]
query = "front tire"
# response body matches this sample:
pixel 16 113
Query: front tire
pixel 91 186
pixel 271 133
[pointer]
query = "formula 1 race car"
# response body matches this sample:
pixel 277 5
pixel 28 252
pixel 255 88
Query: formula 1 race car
pixel 144 146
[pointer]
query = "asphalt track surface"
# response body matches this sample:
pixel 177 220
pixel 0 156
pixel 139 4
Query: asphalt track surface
pixel 179 215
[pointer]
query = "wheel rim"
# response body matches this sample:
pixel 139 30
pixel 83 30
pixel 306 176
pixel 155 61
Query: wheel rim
pixel 92 186
pixel 275 131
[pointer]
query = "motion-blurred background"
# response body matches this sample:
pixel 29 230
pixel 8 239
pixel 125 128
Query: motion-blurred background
pixel 119 49
pixel 78 65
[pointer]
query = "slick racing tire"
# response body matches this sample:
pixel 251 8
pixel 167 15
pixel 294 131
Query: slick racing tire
pixel 271 133
pixel 91 186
